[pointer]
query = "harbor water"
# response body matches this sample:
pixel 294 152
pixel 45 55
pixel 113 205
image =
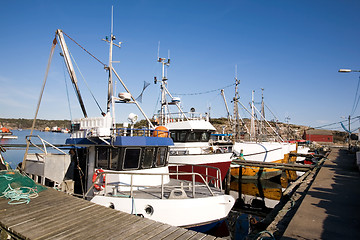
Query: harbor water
pixel 15 155
pixel 254 199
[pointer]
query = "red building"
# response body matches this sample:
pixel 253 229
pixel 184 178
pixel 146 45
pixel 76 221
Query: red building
pixel 318 135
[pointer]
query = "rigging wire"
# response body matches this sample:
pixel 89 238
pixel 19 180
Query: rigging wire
pixel 82 76
pixel 157 103
pixel 200 93
pixel 81 173
pixel 330 124
pixel 276 118
pixel 85 50
pixel 357 96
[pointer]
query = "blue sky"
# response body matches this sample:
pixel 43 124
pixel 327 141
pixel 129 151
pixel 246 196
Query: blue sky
pixel 292 49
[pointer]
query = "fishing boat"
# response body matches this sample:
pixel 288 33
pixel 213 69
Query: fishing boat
pixel 126 168
pixel 191 132
pixel 5 133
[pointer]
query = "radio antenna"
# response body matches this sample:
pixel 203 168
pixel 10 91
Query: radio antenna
pixel 112 19
pixel 158 53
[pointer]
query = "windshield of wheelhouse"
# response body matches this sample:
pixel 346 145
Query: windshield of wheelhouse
pixel 131 158
pixel 190 136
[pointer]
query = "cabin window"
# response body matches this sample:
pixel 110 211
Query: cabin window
pixel 178 136
pixel 102 157
pixel 114 158
pixel 182 136
pixel 148 157
pixel 190 136
pixel 132 158
pixel 205 136
pixel 161 157
pixel 75 127
pixel 173 136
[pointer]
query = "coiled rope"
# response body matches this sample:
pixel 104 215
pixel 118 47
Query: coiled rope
pixel 18 195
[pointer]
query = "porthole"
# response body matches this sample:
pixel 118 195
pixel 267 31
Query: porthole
pixel 149 210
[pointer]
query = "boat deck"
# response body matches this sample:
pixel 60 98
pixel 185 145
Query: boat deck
pixel 55 215
pixel 172 190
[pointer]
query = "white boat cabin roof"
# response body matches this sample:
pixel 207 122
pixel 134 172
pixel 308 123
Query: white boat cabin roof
pixel 190 125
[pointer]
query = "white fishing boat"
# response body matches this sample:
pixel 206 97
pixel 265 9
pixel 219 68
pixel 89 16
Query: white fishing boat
pixel 125 168
pixel 191 133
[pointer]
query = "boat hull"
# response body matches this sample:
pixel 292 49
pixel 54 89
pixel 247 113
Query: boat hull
pixel 254 172
pixel 216 161
pixel 189 213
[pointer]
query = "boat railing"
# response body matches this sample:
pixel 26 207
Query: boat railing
pixel 193 187
pixel 214 180
pixel 142 132
pixel 44 144
pixel 189 150
pixel 181 116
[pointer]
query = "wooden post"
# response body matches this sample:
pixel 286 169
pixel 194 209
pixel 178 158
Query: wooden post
pixel 228 180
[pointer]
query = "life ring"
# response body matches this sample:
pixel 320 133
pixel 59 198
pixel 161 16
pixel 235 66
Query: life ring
pixel 98 186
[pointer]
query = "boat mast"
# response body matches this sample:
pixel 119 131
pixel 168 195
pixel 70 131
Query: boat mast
pixel 164 117
pixel 262 113
pixel 111 98
pixel 236 129
pixel 110 82
pixel 252 127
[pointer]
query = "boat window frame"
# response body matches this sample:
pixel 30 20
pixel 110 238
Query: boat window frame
pixel 124 158
pixel 106 149
pixel 116 159
pixel 165 157
pixel 152 160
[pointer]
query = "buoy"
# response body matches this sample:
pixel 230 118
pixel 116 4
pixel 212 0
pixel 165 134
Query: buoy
pixel 161 131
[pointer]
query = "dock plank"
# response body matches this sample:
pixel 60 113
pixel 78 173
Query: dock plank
pixel 175 234
pixel 119 230
pixel 154 232
pixel 208 237
pixel 41 212
pixel 70 224
pixel 109 226
pixel 132 230
pixel 186 235
pixel 197 236
pixel 58 223
pixel 165 233
pixel 144 230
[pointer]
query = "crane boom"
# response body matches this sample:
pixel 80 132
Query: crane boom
pixel 226 106
pixel 70 68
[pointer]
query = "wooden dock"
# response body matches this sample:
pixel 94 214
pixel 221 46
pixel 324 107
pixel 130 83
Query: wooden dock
pixel 321 204
pixel 56 215
pixel 330 208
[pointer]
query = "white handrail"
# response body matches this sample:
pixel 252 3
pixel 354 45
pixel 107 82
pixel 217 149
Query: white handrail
pixel 132 186
pixel 43 142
